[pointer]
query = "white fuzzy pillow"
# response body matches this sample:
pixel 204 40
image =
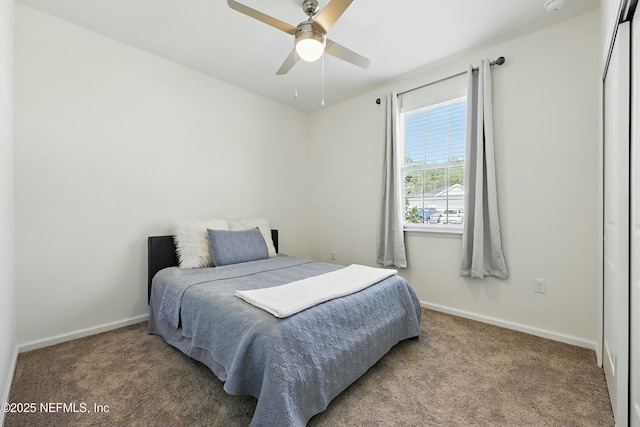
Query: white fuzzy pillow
pixel 262 224
pixel 192 241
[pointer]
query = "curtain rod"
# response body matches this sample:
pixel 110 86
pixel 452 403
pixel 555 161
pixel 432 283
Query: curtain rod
pixel 499 61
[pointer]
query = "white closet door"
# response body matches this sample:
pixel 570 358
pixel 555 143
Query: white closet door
pixel 634 388
pixel 616 226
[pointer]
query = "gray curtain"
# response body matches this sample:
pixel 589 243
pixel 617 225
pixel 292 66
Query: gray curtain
pixel 390 244
pixel 481 243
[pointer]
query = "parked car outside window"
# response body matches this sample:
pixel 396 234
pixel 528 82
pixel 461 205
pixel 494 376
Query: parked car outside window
pixel 426 213
pixel 434 218
pixel 452 216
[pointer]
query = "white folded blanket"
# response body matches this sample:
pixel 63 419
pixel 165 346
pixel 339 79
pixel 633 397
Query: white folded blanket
pixel 285 300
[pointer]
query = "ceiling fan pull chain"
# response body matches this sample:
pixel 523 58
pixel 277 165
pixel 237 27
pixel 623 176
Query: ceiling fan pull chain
pixel 322 103
pixel 295 89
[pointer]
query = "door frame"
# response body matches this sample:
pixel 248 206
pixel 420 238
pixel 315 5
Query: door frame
pixel 616 223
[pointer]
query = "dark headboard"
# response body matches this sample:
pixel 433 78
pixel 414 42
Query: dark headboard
pixel 162 254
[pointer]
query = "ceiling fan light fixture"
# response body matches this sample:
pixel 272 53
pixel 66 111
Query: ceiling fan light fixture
pixel 309 37
pixel 310 42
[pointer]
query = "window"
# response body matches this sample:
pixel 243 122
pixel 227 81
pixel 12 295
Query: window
pixel 432 138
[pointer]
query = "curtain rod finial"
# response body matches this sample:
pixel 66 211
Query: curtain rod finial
pixel 500 60
pixel 378 101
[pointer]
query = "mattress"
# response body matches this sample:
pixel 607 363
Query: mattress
pixel 294 366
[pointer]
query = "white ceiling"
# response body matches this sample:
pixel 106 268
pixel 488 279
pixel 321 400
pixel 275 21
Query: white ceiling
pixel 398 36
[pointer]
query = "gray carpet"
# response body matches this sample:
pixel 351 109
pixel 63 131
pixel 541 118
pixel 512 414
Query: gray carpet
pixel 459 373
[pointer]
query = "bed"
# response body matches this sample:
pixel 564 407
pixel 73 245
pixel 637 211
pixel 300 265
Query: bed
pixel 295 365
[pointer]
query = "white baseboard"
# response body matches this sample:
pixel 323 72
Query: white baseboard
pixel 7 386
pixel 555 336
pixel 57 339
pixel 598 351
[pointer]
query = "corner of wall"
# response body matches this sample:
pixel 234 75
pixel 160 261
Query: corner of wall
pixel 8 354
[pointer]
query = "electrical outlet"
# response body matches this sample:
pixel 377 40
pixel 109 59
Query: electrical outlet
pixel 540 286
pixel 333 255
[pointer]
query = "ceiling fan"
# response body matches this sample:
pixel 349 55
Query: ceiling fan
pixel 310 40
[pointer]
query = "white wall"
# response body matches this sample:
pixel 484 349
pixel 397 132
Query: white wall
pixel 547 136
pixel 7 273
pixel 114 145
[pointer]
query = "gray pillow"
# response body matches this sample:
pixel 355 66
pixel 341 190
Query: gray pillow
pixel 233 247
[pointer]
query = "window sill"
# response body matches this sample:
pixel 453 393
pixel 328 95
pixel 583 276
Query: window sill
pixel 439 231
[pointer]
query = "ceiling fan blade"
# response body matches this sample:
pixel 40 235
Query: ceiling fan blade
pixel 276 23
pixel 331 13
pixel 341 52
pixel 288 63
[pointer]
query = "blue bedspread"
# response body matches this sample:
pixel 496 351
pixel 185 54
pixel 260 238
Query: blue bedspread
pixel 293 366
